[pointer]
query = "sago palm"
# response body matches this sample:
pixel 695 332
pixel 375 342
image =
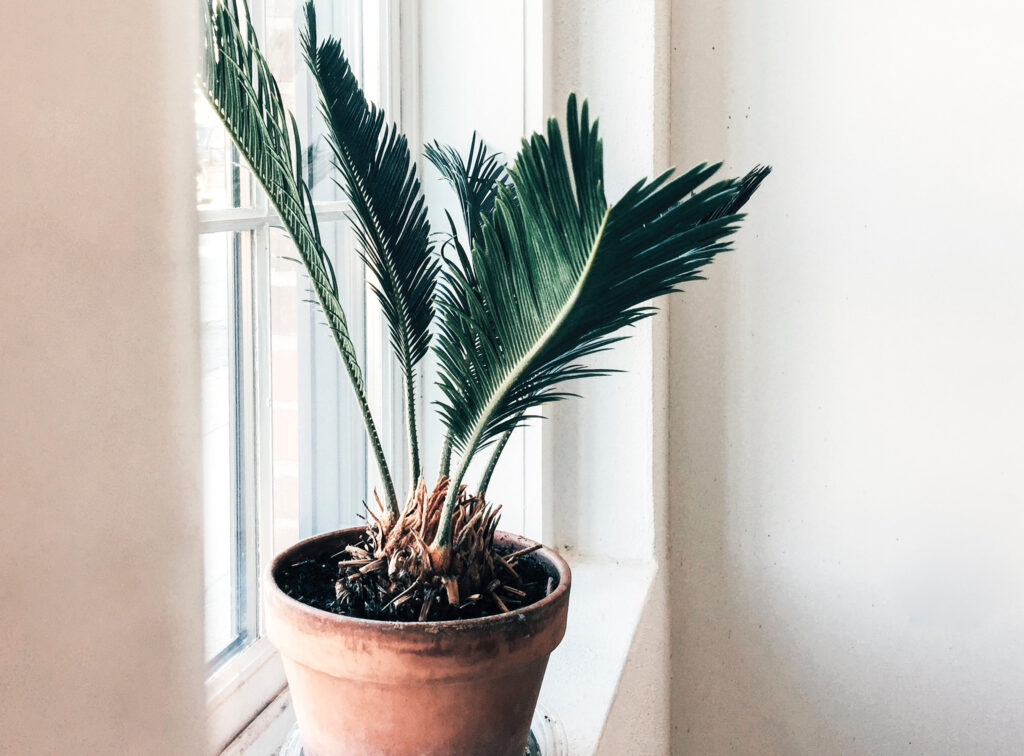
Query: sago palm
pixel 544 273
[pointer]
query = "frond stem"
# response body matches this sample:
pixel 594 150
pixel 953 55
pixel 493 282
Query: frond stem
pixel 390 497
pixel 446 456
pixel 486 479
pixel 414 444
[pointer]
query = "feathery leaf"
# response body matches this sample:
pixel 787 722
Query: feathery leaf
pixel 558 272
pixel 475 179
pixel 238 84
pixel 388 212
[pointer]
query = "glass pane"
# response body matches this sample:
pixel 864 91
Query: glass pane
pixel 287 290
pixel 220 181
pixel 285 58
pixel 280 45
pixel 217 323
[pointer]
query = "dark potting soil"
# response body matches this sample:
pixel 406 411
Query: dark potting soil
pixel 311 580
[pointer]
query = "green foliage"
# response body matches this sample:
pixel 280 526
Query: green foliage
pixel 239 85
pixel 475 180
pixel 559 273
pixel 550 274
pixel 388 212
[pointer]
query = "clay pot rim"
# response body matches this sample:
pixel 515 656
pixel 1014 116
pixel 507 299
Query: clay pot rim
pixel 430 627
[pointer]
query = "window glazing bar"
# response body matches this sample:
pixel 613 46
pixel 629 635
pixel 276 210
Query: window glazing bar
pixel 249 218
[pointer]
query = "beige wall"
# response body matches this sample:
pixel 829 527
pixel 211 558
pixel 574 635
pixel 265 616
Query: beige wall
pixel 847 391
pixel 100 580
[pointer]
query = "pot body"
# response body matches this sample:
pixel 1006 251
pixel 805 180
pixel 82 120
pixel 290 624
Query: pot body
pixel 371 688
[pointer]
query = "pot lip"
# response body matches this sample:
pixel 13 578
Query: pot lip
pixel 275 594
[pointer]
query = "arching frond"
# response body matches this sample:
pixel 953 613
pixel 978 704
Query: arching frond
pixel 239 85
pixel 388 212
pixel 559 273
pixel 475 179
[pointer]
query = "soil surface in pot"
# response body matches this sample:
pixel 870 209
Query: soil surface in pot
pixel 312 580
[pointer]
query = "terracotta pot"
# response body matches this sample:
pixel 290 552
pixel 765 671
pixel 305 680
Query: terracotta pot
pixel 371 688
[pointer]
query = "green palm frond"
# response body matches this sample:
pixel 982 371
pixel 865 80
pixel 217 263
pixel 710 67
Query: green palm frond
pixel 744 191
pixel 557 273
pixel 388 212
pixel 475 179
pixel 238 83
pixel 460 283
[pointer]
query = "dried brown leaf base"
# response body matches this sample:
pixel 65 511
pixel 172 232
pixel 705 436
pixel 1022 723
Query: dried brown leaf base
pixel 392 574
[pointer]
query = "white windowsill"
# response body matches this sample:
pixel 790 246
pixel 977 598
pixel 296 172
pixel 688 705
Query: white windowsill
pixel 268 732
pixel 583 675
pixel 244 689
pixel 605 608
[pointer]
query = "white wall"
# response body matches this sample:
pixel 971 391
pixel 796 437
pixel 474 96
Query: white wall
pixel 615 428
pixel 100 577
pixel 471 74
pixel 847 417
pixel 607 477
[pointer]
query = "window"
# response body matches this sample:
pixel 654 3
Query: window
pixel 284 448
pixel 274 470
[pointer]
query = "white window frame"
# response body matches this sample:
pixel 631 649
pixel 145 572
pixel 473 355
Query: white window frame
pixel 241 686
pixel 244 684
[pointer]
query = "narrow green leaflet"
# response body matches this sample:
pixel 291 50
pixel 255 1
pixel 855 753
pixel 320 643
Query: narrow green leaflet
pixel 475 179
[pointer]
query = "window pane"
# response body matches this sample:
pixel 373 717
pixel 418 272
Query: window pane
pixel 287 290
pixel 219 422
pixel 221 181
pixel 280 46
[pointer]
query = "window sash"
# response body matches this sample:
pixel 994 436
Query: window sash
pixel 248 674
pixel 244 675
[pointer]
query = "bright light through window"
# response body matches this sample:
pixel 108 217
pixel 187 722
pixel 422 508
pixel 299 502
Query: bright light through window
pixel 261 439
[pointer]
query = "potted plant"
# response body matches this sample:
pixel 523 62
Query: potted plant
pixel 428 630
